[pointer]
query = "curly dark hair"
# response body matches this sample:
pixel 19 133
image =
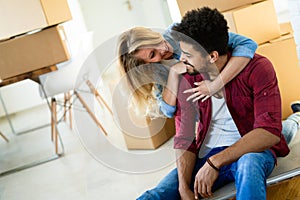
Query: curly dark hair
pixel 206 26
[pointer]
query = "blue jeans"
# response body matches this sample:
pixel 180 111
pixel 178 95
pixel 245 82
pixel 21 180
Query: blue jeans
pixel 249 173
pixel 290 127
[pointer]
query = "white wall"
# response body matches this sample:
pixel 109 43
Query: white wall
pixel 108 18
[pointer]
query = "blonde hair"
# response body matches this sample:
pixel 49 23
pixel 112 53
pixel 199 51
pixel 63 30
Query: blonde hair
pixel 139 80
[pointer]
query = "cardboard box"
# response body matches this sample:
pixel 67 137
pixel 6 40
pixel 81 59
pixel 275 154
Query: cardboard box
pixel 30 52
pixel 139 132
pixel 221 5
pixel 286 67
pixel 155 133
pixel 21 16
pixel 286 28
pixel 257 21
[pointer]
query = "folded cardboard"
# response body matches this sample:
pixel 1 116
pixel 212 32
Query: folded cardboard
pixel 285 28
pixel 257 21
pixel 282 53
pixel 21 16
pixel 221 5
pixel 34 51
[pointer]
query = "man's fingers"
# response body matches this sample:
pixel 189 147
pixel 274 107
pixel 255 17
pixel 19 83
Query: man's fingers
pixel 196 189
pixel 209 193
pixel 203 191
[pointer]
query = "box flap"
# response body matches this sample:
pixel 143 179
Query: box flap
pixel 56 11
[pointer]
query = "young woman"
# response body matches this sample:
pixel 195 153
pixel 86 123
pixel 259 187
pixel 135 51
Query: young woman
pixel 140 45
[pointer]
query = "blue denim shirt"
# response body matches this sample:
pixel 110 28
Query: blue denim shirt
pixel 241 46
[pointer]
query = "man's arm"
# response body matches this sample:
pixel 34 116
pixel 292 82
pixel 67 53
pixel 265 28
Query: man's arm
pixel 185 164
pixel 184 140
pixel 256 140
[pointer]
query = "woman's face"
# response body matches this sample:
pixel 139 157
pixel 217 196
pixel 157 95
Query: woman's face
pixel 152 54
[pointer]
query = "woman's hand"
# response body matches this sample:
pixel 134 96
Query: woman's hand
pixel 204 90
pixel 179 68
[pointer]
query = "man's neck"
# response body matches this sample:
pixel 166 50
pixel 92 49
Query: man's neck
pixel 222 61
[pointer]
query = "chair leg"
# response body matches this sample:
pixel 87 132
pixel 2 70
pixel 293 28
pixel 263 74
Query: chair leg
pixel 99 98
pixel 3 136
pixel 70 110
pixel 90 112
pixel 54 134
pixel 67 104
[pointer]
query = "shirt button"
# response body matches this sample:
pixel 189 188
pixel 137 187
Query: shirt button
pixel 265 93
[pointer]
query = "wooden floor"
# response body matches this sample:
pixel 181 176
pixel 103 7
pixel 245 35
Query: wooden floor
pixel 285 190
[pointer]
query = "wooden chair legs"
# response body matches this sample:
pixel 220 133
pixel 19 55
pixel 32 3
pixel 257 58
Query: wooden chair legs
pixel 3 136
pixel 54 133
pixel 90 112
pixel 67 108
pixel 99 98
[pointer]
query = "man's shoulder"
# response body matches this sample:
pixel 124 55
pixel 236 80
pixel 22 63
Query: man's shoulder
pixel 258 69
pixel 261 62
pixel 258 59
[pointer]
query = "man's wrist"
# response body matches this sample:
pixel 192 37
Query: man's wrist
pixel 212 165
pixel 215 161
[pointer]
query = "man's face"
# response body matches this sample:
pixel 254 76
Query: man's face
pixel 194 58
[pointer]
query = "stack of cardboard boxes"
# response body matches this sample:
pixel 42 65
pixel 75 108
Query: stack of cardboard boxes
pixel 257 20
pixel 32 36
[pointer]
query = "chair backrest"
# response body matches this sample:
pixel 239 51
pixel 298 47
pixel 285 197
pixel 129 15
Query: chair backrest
pixel 64 79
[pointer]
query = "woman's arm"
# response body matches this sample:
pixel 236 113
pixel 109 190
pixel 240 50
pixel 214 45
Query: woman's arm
pixel 243 50
pixel 169 94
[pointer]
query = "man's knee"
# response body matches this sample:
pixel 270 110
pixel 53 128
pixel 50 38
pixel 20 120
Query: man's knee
pixel 256 163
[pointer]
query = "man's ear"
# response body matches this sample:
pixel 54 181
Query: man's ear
pixel 214 55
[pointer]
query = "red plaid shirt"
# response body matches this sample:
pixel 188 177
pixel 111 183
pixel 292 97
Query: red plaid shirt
pixel 253 99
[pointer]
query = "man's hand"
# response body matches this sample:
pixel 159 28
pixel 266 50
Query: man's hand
pixel 204 181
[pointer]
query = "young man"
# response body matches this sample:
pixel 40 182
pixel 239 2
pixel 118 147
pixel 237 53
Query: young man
pixel 238 135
